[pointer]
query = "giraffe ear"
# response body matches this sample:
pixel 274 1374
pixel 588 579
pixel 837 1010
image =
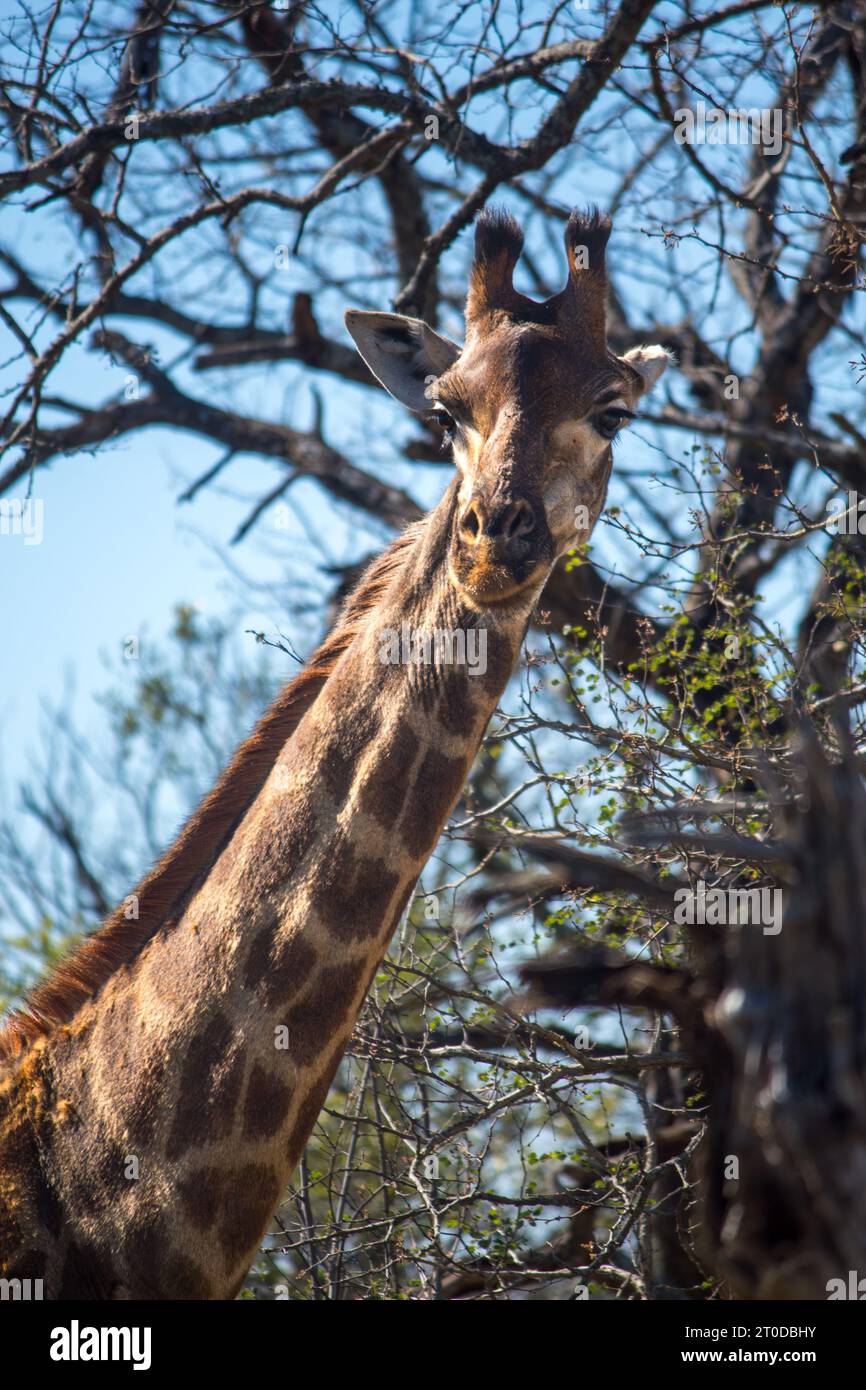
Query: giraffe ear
pixel 649 363
pixel 404 354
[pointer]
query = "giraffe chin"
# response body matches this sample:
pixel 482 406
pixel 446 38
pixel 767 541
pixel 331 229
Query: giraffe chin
pixel 486 585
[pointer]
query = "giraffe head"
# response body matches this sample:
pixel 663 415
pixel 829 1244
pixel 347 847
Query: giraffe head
pixel 533 401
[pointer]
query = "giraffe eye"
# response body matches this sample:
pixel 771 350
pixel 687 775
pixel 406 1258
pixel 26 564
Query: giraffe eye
pixel 449 424
pixel 610 422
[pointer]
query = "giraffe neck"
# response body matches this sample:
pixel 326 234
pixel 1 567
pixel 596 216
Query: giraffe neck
pixel 182 1095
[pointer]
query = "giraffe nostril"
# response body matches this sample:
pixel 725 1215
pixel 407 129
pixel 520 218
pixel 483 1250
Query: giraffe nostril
pixel 519 521
pixel 470 524
pixel 504 525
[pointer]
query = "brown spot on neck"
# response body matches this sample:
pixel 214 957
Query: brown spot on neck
pixel 437 785
pixel 266 1105
pixel 324 1009
pixel 210 1087
pixel 353 890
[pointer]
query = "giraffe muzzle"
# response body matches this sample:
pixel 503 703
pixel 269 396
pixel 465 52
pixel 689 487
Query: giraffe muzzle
pixel 500 547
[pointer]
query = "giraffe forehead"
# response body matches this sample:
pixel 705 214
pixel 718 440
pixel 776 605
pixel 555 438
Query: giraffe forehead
pixel 516 374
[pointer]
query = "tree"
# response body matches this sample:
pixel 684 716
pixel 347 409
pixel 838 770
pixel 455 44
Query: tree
pixel 224 180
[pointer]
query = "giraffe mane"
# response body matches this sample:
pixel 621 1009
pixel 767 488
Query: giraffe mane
pixel 78 977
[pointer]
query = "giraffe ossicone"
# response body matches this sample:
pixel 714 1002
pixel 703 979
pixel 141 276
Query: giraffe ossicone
pixel 199 1034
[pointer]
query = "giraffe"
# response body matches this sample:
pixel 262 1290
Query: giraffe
pixel 157 1091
